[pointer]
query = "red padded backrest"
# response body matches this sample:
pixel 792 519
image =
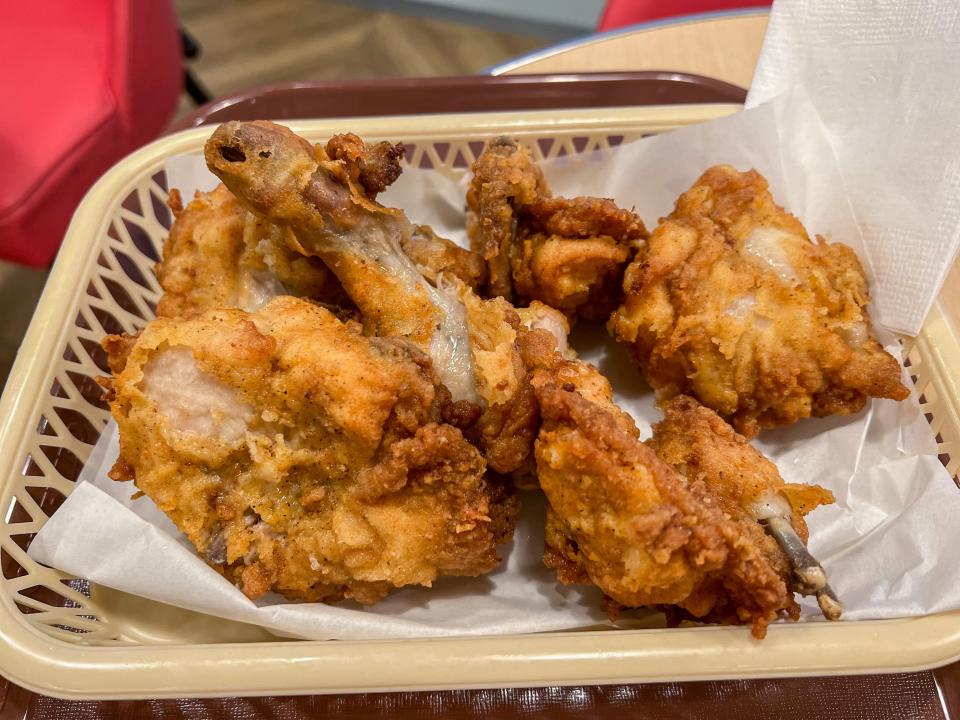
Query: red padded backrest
pixel 84 84
pixel 619 13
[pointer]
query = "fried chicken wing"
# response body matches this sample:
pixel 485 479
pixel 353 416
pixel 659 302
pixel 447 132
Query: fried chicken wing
pixel 218 255
pixel 284 179
pixel 703 448
pixel 299 456
pixel 567 253
pixel 662 523
pixel 732 303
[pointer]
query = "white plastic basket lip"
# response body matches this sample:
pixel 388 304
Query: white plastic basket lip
pixel 51 666
pixel 583 658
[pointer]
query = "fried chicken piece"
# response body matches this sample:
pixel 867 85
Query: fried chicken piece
pixel 374 167
pixel 473 343
pixel 623 518
pixel 507 427
pixel 284 179
pixel 299 456
pixel 571 254
pixel 504 177
pixel 437 258
pixel 218 255
pixel 732 303
pixel 567 253
pixel 703 448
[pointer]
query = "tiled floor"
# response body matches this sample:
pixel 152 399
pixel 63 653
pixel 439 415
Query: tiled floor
pixel 255 42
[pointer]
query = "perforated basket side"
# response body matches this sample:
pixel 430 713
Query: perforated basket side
pixel 933 361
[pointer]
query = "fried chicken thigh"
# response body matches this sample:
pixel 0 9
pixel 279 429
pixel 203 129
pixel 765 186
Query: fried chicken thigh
pixel 567 253
pixel 299 456
pixel 732 303
pixel 218 255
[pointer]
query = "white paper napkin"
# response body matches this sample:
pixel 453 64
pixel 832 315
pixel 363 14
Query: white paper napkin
pixel 894 521
pixel 883 75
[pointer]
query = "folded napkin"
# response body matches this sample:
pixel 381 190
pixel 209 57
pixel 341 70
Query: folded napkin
pixel 883 75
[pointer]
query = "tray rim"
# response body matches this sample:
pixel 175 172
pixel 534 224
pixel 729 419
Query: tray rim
pixel 52 667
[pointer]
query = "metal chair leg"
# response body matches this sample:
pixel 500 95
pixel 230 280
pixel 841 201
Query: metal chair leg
pixel 194 89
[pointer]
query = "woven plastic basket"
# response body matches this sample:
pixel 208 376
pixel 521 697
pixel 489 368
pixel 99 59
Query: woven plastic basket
pixel 63 636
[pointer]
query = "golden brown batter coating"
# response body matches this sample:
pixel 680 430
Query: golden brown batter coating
pixel 283 178
pixel 748 488
pixel 374 167
pixel 732 303
pixel 571 253
pixel 218 255
pixel 621 516
pixel 437 258
pixel 567 253
pixel 702 447
pixel 504 178
pixel 301 457
pixel 508 425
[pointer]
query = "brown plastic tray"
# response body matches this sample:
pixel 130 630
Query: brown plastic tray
pixel 467 94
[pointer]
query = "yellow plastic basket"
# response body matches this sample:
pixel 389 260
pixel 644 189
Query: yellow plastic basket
pixel 64 636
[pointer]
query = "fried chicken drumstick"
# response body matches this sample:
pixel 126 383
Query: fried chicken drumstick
pixel 299 456
pixel 472 342
pixel 732 303
pixel 567 253
pixel 284 179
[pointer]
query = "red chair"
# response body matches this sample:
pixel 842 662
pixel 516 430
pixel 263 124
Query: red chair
pixel 84 84
pixel 619 13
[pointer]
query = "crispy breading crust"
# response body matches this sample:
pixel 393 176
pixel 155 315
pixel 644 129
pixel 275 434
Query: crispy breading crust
pixel 703 448
pixel 730 302
pixel 569 253
pixel 301 457
pixel 509 422
pixel 504 176
pixel 218 255
pixel 375 167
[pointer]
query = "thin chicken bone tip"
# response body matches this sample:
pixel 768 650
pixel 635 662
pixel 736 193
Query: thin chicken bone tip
pixel 810 576
pixel 830 605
